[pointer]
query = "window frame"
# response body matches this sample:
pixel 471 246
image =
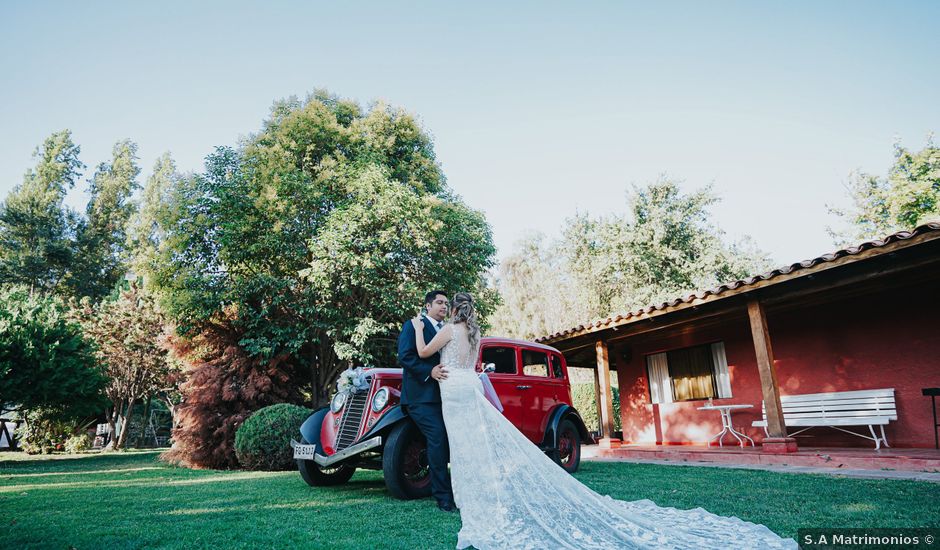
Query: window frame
pixel 522 363
pixel 515 358
pixel 720 377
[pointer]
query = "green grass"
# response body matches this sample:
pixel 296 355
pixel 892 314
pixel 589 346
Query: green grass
pixel 132 500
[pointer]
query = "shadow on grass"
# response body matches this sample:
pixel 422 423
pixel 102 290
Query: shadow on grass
pixel 21 460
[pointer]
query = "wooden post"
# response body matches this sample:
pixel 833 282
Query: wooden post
pixel 607 398
pixel 597 402
pixel 778 442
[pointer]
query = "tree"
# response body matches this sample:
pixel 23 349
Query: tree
pixel 224 387
pixel 129 333
pixel 101 259
pixel 35 227
pixel 665 246
pixel 376 254
pixel 45 361
pixel 238 236
pixel 538 295
pixel 908 197
pixel 145 234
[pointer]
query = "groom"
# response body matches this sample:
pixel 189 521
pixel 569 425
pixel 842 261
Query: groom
pixel 421 394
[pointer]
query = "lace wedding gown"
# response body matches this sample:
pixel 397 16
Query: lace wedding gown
pixel 512 495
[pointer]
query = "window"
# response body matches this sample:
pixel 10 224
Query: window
pixel 503 358
pixel 689 374
pixel 534 363
pixel 557 370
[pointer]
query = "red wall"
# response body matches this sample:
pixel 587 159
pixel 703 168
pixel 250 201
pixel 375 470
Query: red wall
pixel 888 340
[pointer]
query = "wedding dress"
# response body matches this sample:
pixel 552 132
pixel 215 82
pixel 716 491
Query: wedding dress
pixel 512 495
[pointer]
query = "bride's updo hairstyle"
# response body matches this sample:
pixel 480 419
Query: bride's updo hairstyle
pixel 464 312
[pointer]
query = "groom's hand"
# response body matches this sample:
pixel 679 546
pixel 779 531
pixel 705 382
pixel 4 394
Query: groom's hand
pixel 439 373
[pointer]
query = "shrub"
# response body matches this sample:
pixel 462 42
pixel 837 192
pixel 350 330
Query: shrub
pixel 584 400
pixel 224 386
pixel 78 443
pixel 263 441
pixel 45 431
pixel 42 435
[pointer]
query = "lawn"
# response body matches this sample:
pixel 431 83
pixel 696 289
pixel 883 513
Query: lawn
pixel 132 500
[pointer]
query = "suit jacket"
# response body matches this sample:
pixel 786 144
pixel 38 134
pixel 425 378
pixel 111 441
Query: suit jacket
pixel 417 386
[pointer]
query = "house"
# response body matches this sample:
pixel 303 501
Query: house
pixel 861 318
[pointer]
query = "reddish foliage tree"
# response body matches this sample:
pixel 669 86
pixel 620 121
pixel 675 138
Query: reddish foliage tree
pixel 224 386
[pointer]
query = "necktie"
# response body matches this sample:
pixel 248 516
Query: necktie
pixel 440 325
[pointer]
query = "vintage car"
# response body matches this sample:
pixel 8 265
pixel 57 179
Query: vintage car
pixel 369 429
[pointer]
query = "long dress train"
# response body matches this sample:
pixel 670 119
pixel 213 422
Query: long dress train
pixel 512 495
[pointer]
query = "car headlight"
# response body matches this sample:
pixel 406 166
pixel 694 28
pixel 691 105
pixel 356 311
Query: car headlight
pixel 380 399
pixel 336 404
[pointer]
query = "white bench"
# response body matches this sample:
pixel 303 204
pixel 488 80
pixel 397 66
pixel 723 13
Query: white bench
pixel 846 408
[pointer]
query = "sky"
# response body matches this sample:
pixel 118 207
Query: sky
pixel 538 110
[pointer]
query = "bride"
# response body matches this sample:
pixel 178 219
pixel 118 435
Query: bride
pixel 511 495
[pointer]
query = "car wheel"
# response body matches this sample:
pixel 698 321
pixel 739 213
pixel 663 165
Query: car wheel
pixel 568 455
pixel 315 476
pixel 405 463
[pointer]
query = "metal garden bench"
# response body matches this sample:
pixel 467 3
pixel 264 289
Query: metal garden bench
pixel 838 410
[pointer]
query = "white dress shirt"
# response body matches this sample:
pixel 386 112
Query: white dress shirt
pixel 436 330
pixel 433 324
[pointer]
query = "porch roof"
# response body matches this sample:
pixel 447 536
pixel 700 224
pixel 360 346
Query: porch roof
pixel 800 271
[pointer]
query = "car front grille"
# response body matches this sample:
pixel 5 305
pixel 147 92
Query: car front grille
pixel 352 419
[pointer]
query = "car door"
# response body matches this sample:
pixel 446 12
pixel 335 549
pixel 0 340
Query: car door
pixel 559 374
pixel 540 393
pixel 505 359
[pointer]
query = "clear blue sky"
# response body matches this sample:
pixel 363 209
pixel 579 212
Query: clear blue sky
pixel 537 109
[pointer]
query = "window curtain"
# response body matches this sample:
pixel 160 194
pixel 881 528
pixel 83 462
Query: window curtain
pixel 658 367
pixel 692 373
pixel 722 377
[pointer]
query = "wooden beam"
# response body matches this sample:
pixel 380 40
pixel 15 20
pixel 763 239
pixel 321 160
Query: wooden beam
pixel 760 333
pixel 597 402
pixel 606 397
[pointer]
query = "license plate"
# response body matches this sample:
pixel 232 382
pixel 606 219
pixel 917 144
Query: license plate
pixel 303 452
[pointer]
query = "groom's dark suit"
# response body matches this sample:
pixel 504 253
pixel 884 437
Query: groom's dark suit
pixel 421 399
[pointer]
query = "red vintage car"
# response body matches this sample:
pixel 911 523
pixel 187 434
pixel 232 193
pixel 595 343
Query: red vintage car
pixel 369 429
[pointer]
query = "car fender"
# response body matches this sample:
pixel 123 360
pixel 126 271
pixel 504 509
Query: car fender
pixel 310 429
pixel 390 418
pixel 555 417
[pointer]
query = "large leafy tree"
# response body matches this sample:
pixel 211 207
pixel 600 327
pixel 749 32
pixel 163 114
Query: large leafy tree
pixel 35 227
pixel 909 196
pixel 354 200
pixel 45 360
pixel 376 255
pixel 665 245
pixel 102 254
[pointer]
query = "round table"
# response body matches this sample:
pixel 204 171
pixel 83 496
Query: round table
pixel 725 411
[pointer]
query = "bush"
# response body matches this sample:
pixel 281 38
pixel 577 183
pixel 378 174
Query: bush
pixel 42 435
pixel 78 444
pixel 263 441
pixel 224 386
pixel 45 431
pixel 583 399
